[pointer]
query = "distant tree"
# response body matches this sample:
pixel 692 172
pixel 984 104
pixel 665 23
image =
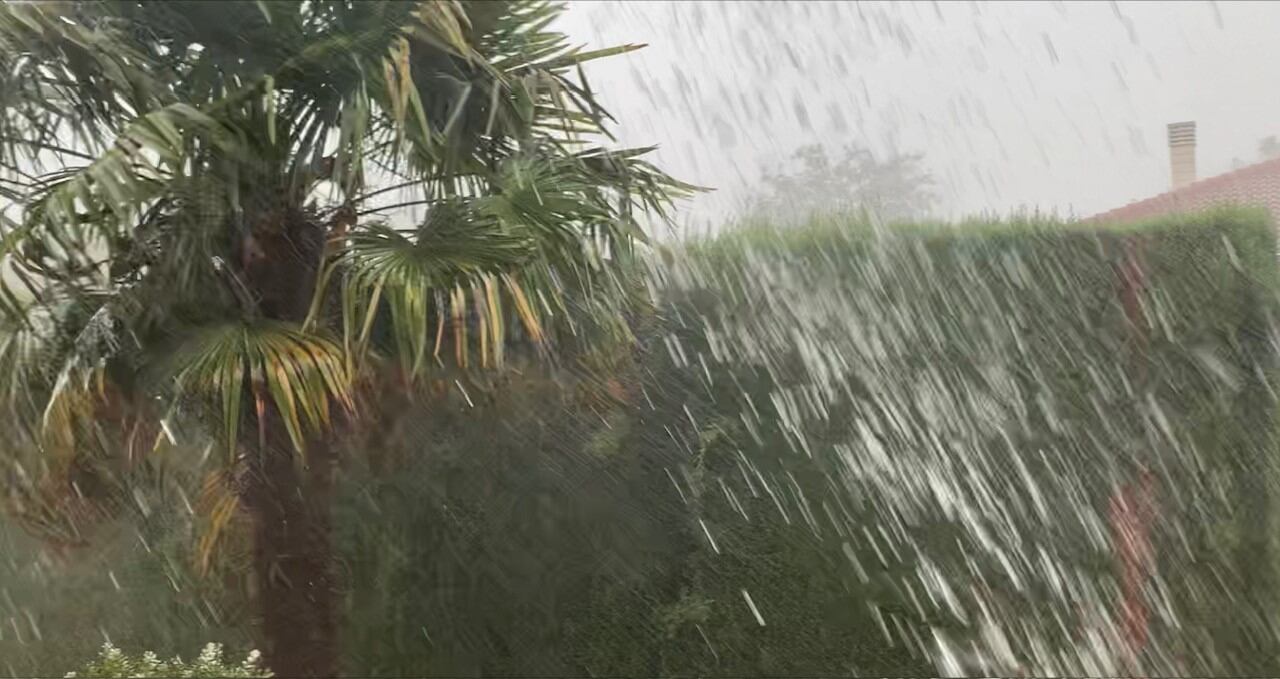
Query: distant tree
pixel 893 188
pixel 1268 148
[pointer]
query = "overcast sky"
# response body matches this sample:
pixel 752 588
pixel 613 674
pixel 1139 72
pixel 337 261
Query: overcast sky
pixel 1060 105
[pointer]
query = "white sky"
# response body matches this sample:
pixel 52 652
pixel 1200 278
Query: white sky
pixel 1003 119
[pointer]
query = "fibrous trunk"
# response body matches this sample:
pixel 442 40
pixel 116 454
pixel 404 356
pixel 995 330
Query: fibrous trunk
pixel 289 499
pixel 290 492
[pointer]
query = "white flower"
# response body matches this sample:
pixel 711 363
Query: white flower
pixel 112 662
pixel 251 661
pixel 211 654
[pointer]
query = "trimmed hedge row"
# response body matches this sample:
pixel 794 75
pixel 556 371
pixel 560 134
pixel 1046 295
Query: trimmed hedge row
pixel 972 399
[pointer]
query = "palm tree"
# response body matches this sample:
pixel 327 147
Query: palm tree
pixel 204 214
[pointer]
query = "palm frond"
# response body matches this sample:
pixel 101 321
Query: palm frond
pixel 69 421
pixel 302 375
pixel 23 377
pixel 426 274
pixel 65 73
pixel 96 203
pixel 217 504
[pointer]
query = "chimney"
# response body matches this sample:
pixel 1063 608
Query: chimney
pixel 1182 153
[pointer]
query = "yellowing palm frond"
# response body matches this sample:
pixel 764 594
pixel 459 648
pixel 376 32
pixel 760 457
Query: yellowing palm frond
pixel 68 405
pixel 458 253
pixel 21 359
pixel 302 375
pixel 219 503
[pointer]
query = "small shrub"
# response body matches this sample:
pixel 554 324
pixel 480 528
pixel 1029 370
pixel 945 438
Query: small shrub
pixel 112 663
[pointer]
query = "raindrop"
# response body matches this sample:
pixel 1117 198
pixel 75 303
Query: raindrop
pixel 755 612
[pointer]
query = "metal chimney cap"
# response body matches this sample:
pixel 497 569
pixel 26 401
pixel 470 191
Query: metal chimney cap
pixel 1181 134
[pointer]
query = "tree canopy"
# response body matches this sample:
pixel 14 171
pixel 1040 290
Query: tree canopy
pixel 201 203
pixel 890 189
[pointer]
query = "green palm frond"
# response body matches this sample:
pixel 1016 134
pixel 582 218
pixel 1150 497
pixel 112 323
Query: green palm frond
pixel 444 24
pixel 302 375
pixel 642 186
pixel 23 376
pixel 583 217
pixel 96 203
pixel 455 242
pixel 66 75
pixel 446 271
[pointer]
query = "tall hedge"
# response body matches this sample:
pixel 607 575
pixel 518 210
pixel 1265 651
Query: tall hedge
pixel 966 402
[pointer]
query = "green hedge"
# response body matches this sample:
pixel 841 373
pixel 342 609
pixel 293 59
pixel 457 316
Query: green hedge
pixel 976 393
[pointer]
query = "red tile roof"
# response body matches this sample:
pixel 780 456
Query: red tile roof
pixel 1257 185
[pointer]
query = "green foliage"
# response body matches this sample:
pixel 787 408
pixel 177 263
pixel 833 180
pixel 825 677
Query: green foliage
pixel 892 189
pixel 506 539
pixel 517 526
pixel 226 191
pixel 987 351
pixel 303 375
pixel 112 663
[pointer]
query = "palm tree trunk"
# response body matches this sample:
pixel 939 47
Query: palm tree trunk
pixel 289 499
pixel 290 495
